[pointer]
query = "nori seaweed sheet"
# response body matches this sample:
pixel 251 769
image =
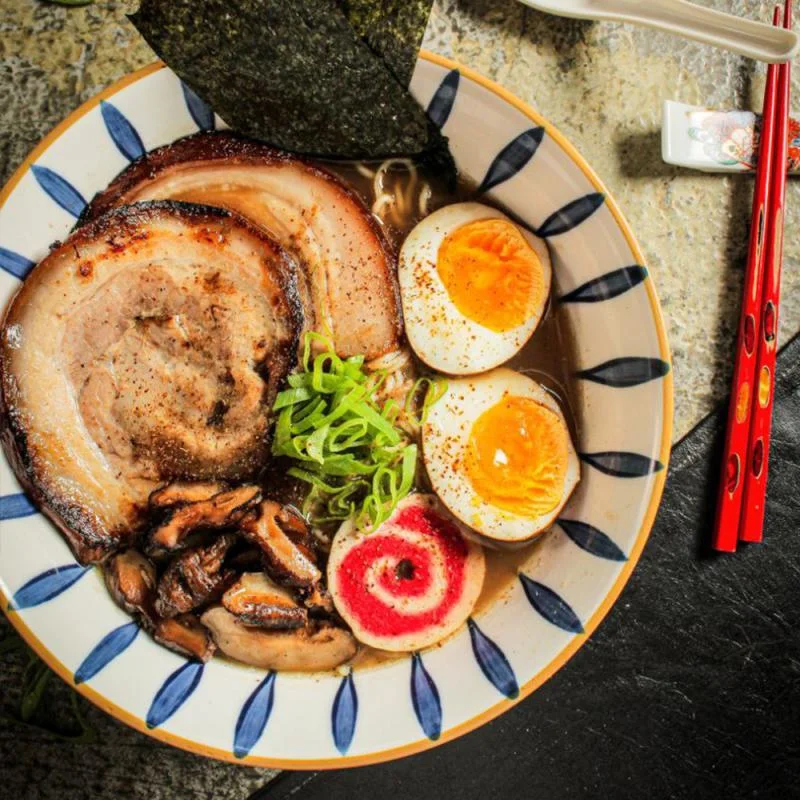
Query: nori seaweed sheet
pixel 295 74
pixel 393 29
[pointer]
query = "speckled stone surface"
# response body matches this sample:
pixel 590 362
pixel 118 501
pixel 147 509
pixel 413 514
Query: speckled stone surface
pixel 602 85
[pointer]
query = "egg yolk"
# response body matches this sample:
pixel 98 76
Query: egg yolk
pixel 491 274
pixel 516 457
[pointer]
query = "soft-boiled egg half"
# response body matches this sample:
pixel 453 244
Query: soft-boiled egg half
pixel 499 455
pixel 474 286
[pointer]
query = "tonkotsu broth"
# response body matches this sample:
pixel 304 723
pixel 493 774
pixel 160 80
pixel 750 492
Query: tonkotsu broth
pixel 547 358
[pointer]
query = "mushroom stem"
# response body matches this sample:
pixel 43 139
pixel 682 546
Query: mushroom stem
pixel 314 648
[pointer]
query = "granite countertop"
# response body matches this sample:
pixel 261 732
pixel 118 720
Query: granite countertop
pixel 602 85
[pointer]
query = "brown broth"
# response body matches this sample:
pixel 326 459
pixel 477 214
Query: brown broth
pixel 547 358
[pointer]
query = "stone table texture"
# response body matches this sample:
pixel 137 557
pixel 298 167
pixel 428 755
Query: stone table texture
pixel 602 85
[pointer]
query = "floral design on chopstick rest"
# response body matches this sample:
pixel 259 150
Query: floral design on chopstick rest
pixel 718 141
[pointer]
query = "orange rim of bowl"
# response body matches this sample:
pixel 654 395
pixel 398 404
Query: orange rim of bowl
pixel 575 643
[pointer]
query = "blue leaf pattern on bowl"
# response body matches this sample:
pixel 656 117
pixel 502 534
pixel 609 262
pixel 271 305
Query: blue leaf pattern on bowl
pixel 344 714
pixel 60 190
pixel 425 699
pixel 256 693
pixel 512 158
pixel 627 371
pixel 174 692
pixel 254 717
pixel 621 464
pixel 493 662
pixel 125 136
pixel 14 263
pixel 607 286
pixel 14 506
pixel 109 647
pixel 550 605
pixel 202 115
pixel 46 586
pixel 571 215
pixel 592 540
pixel 441 103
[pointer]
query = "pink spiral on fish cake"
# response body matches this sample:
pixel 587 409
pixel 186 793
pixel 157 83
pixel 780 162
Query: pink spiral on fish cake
pixel 410 583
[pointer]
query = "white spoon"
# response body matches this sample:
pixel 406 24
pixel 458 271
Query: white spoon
pixel 743 36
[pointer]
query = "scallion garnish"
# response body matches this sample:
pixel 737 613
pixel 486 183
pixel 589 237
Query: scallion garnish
pixel 348 446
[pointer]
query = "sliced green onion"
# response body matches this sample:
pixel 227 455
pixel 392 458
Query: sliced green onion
pixel 436 387
pixel 375 419
pixel 345 444
pixel 288 397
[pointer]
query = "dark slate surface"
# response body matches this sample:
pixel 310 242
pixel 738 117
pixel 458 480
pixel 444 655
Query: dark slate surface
pixel 689 689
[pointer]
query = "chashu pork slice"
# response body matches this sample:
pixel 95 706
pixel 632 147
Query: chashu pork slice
pixel 348 284
pixel 147 347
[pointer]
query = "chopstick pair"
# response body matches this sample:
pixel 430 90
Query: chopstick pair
pixel 743 482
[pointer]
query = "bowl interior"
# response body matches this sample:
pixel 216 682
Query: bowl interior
pixel 565 587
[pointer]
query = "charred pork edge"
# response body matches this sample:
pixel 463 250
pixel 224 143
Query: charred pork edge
pixel 88 541
pixel 206 146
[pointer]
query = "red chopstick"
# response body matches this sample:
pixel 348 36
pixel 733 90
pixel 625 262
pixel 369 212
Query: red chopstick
pixel 729 503
pixel 751 528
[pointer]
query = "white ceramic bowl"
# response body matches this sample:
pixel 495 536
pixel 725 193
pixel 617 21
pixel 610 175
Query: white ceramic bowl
pixel 573 577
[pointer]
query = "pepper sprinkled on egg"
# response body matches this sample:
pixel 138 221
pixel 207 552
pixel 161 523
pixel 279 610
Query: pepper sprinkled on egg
pixel 499 455
pixel 474 286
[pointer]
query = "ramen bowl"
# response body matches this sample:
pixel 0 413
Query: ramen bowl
pixel 564 587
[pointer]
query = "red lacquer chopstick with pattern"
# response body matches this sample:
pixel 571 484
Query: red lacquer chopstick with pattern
pixel 729 502
pixel 751 527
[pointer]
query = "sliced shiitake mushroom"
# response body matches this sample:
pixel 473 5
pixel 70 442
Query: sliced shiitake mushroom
pixel 314 648
pixel 131 580
pixel 258 601
pixel 245 558
pixel 183 492
pixel 194 578
pixel 220 511
pixel 318 600
pixel 290 562
pixel 185 635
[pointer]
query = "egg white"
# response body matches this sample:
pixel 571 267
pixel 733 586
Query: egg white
pixel 445 435
pixel 438 332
